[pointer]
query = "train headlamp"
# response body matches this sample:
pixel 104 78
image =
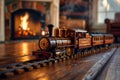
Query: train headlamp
pixel 43 33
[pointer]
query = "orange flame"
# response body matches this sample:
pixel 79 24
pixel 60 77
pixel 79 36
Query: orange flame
pixel 24 21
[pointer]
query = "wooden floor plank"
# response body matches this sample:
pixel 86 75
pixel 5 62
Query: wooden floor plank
pixel 71 69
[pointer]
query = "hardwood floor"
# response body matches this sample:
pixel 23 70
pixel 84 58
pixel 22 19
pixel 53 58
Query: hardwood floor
pixel 70 69
pixel 17 51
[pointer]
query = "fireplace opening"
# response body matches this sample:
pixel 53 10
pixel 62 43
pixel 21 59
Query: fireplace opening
pixel 27 24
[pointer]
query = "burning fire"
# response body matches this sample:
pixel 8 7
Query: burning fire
pixel 24 21
pixel 24 30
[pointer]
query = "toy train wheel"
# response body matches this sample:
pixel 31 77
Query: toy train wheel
pixel 69 51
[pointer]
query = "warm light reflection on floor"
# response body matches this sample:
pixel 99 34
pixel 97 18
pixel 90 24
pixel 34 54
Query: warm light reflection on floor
pixel 41 75
pixel 26 58
pixel 25 48
pixel 25 52
pixel 44 78
pixel 17 51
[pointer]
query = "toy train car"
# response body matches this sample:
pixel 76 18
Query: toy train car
pixel 70 41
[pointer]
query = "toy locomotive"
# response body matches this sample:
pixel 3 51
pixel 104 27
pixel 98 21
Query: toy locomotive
pixel 67 42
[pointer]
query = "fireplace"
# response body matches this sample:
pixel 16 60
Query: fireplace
pixel 27 24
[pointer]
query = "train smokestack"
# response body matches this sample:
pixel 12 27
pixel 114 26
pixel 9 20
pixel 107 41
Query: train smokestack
pixel 50 28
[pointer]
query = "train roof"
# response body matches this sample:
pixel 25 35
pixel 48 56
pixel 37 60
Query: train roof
pixel 101 34
pixel 93 34
pixel 108 34
pixel 79 30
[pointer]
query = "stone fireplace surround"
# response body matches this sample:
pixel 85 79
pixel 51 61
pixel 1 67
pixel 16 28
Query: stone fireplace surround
pixel 35 24
pixel 54 15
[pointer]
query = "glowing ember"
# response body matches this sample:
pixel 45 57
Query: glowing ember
pixel 24 21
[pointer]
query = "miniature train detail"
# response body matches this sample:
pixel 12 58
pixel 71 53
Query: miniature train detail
pixel 70 41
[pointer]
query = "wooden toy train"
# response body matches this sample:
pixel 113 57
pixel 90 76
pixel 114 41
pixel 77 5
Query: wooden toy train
pixel 67 42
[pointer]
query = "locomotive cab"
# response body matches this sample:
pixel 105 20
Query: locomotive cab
pixel 83 39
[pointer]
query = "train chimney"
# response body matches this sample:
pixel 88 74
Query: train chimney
pixel 50 28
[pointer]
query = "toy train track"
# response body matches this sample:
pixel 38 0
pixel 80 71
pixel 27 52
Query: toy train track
pixel 21 67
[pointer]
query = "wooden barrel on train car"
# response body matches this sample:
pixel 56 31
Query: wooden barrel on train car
pixel 47 43
pixel 62 32
pixel 56 32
